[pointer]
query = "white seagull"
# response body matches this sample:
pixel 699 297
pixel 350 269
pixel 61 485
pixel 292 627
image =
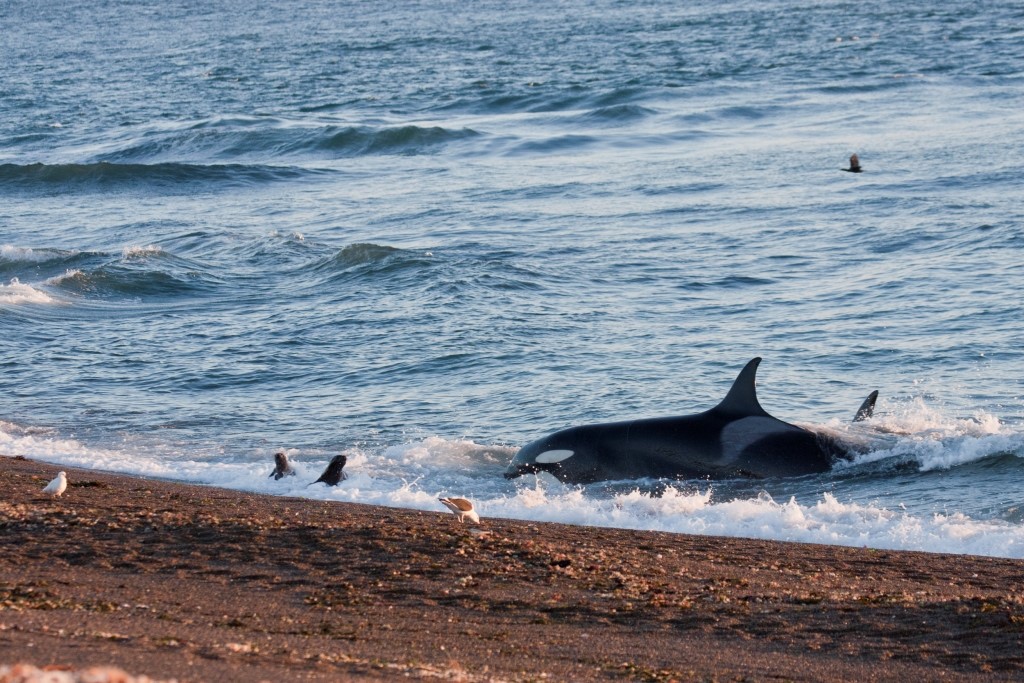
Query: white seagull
pixel 462 508
pixel 57 486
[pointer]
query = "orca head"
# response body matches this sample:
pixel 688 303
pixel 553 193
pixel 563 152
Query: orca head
pixel 562 454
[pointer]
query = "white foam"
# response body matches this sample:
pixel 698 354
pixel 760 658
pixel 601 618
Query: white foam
pixel 919 418
pixel 9 252
pixel 17 293
pixel 416 474
pixel 934 454
pixel 136 251
pixel 826 520
pixel 925 436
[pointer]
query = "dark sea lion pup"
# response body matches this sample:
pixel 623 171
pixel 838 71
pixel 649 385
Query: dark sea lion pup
pixel 333 474
pixel 281 466
pixel 854 165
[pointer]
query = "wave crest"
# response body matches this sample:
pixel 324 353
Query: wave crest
pixel 106 175
pixel 404 140
pixel 230 141
pixel 17 293
pixel 367 259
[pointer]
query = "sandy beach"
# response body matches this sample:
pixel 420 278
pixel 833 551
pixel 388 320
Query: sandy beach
pixel 192 583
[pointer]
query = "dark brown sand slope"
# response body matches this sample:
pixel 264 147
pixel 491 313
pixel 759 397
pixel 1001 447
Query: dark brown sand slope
pixel 204 584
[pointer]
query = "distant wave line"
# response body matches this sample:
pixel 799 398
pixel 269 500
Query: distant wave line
pixel 331 141
pixel 105 173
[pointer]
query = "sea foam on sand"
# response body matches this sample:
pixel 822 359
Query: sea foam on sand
pixel 26 673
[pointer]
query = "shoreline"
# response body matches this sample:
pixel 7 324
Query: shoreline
pixel 197 583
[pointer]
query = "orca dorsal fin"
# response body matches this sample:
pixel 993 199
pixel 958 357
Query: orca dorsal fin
pixel 867 408
pixel 742 397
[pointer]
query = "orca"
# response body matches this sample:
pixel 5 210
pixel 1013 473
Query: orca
pixel 735 439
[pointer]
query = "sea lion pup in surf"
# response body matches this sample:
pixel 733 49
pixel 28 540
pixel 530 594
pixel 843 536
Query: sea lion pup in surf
pixel 333 474
pixel 282 468
pixel 854 165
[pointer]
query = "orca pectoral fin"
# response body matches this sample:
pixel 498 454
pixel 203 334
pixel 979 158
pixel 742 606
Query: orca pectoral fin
pixel 867 408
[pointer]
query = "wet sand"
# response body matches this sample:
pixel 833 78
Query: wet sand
pixel 203 584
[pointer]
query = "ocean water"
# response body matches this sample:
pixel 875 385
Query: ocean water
pixel 424 234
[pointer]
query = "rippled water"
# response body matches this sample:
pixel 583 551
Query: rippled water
pixel 426 234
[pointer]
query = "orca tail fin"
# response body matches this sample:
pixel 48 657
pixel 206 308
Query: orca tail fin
pixel 742 397
pixel 867 408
